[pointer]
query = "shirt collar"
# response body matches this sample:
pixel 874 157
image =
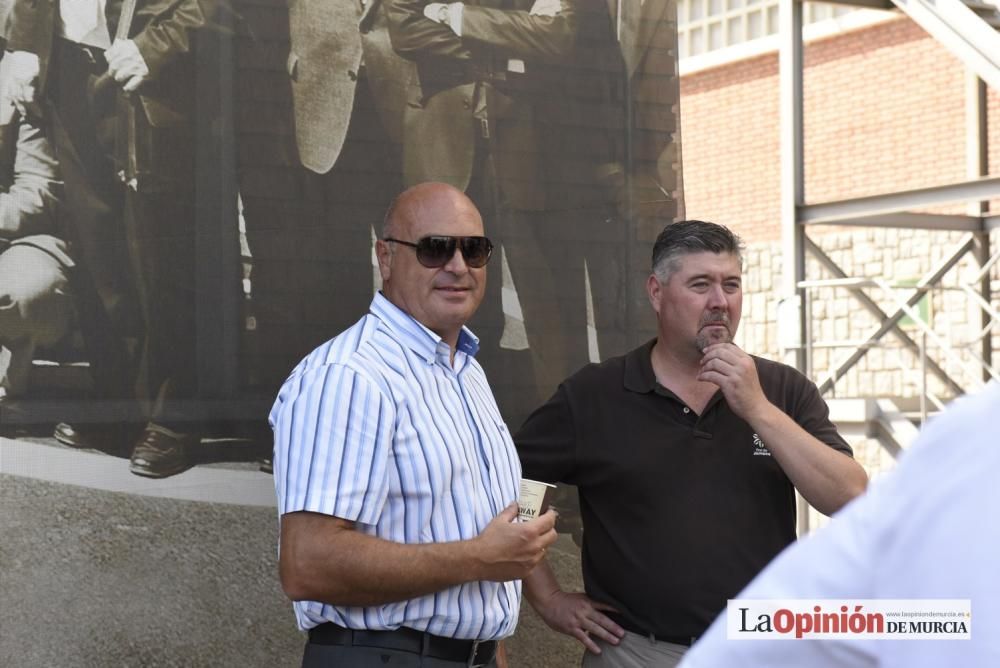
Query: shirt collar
pixel 415 336
pixel 639 376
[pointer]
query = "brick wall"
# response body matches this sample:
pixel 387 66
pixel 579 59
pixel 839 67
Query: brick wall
pixel 884 110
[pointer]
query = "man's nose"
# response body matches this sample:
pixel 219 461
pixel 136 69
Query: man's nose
pixel 457 265
pixel 717 298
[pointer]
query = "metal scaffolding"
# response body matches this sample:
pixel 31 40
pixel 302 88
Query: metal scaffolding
pixel 895 209
pixel 880 417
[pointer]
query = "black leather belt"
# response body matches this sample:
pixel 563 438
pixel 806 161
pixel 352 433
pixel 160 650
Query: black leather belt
pixel 467 652
pixel 93 54
pixel 686 641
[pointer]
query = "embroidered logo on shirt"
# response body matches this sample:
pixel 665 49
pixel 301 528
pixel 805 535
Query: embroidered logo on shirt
pixel 759 448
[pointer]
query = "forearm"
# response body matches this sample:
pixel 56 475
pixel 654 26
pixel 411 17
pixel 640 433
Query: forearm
pixel 540 585
pixel 29 206
pixel 826 478
pixel 171 36
pixel 349 568
pixel 519 33
pixel 416 37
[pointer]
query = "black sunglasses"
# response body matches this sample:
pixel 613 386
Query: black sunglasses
pixel 435 251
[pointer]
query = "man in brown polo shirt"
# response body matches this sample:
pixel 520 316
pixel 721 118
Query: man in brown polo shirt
pixel 686 452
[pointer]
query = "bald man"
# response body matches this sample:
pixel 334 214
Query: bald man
pixel 396 477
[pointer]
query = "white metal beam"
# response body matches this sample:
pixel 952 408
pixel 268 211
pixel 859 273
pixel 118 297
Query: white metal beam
pixel 792 166
pixel 907 200
pixel 960 30
pixel 868 4
pixel 922 221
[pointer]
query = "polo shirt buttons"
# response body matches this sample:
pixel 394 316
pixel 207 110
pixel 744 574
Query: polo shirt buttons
pixel 687 410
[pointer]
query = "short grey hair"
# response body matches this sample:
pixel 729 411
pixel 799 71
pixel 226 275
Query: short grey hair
pixel 691 236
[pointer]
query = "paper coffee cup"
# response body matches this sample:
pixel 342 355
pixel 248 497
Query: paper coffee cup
pixel 534 499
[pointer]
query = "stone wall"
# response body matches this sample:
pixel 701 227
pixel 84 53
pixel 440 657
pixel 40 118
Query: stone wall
pixel 895 256
pixel 888 369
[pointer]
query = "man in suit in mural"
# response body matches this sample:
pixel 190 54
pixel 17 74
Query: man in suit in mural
pixel 614 152
pixel 647 36
pixel 321 157
pixel 473 122
pixel 68 67
pixel 35 297
pixel 48 62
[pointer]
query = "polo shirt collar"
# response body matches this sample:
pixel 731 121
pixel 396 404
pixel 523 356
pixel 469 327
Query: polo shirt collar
pixel 639 375
pixel 415 336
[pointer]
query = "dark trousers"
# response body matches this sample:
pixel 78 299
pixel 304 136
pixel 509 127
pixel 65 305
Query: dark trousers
pixel 161 238
pixel 524 366
pixel 309 234
pixel 179 223
pixel 330 656
pixel 92 216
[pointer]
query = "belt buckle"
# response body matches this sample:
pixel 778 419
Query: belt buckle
pixel 470 663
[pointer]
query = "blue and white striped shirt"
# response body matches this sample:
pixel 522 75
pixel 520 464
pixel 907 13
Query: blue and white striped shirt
pixel 377 427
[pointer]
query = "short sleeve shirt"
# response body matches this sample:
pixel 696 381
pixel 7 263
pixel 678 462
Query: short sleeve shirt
pixel 680 510
pixel 378 427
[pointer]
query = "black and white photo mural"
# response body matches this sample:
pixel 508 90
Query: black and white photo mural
pixel 190 192
pixel 559 119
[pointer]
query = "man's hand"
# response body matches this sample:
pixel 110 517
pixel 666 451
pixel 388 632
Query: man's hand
pixel 126 65
pixel 578 616
pixel 736 374
pixel 436 11
pixel 545 8
pixel 508 549
pixel 21 83
pixel 826 478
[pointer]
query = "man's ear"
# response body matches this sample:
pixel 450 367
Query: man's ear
pixel 653 289
pixel 384 255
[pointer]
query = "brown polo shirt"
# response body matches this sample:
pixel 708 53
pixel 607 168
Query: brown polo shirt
pixel 680 510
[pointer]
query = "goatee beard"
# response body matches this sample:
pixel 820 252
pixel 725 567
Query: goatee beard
pixel 705 339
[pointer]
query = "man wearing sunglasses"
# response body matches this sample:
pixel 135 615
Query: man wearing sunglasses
pixel 396 477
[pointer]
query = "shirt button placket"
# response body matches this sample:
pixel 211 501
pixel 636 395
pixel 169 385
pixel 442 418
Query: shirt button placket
pixel 480 451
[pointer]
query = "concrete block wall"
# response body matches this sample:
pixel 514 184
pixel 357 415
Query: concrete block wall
pixel 889 370
pixel 838 318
